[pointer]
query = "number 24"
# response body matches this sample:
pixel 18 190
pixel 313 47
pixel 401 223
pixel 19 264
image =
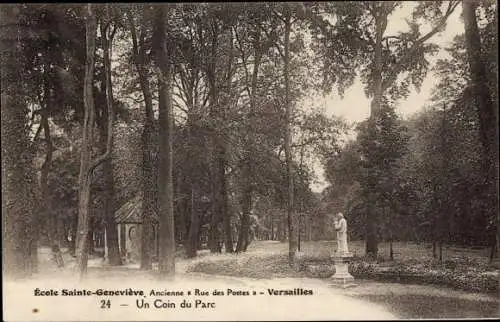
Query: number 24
pixel 105 304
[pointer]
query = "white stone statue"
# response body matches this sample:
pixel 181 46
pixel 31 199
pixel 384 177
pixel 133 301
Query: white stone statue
pixel 341 228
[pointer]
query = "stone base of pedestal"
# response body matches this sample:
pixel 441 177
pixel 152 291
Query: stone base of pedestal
pixel 342 277
pixel 342 283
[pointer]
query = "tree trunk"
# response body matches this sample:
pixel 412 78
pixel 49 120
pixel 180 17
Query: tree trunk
pixel 82 236
pixel 86 153
pixel 493 249
pixel 298 235
pixel 213 232
pixel 434 249
pixel 440 251
pixel 272 228
pixel 376 106
pixel 282 226
pixel 444 204
pixel 183 215
pixel 242 244
pixel 249 169
pixel 193 236
pixel 228 236
pixel 166 122
pixel 90 239
pixel 51 219
pixel 74 228
pixel 307 229
pixel 301 197
pixel 219 206
pixel 111 228
pixel 19 228
pixel 147 182
pixel 202 235
pixel 391 250
pixel 217 155
pixel 380 25
pixel 292 221
pixel 487 111
pixel 113 250
pixel 371 249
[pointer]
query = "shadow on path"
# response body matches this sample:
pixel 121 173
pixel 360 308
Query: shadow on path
pixel 435 307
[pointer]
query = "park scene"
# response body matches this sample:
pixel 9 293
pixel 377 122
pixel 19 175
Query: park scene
pixel 348 149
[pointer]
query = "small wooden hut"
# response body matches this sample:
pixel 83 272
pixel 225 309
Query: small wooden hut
pixel 129 221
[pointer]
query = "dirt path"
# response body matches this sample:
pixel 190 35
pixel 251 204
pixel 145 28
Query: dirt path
pixel 368 300
pixel 426 301
pixel 239 301
pixel 402 300
pixel 243 299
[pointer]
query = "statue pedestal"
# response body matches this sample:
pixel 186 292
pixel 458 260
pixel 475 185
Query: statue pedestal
pixel 342 277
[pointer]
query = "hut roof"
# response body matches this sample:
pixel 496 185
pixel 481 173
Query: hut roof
pixel 130 212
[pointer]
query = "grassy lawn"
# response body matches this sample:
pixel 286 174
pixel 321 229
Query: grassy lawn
pixel 464 269
pixel 466 296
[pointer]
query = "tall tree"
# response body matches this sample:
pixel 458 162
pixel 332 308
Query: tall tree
pixel 254 30
pixel 19 233
pixel 292 220
pixel 487 111
pixel 474 221
pixel 191 98
pixel 227 103
pixel 45 84
pixel 216 26
pixel 50 77
pixel 166 123
pixel 106 122
pixel 87 164
pixel 382 142
pixel 51 219
pixel 387 57
pixel 142 64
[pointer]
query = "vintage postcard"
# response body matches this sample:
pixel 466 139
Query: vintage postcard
pixel 241 161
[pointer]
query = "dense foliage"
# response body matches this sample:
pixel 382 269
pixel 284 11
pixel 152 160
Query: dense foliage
pixel 205 114
pixel 432 163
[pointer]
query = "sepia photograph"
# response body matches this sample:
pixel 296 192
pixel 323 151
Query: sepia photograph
pixel 250 161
